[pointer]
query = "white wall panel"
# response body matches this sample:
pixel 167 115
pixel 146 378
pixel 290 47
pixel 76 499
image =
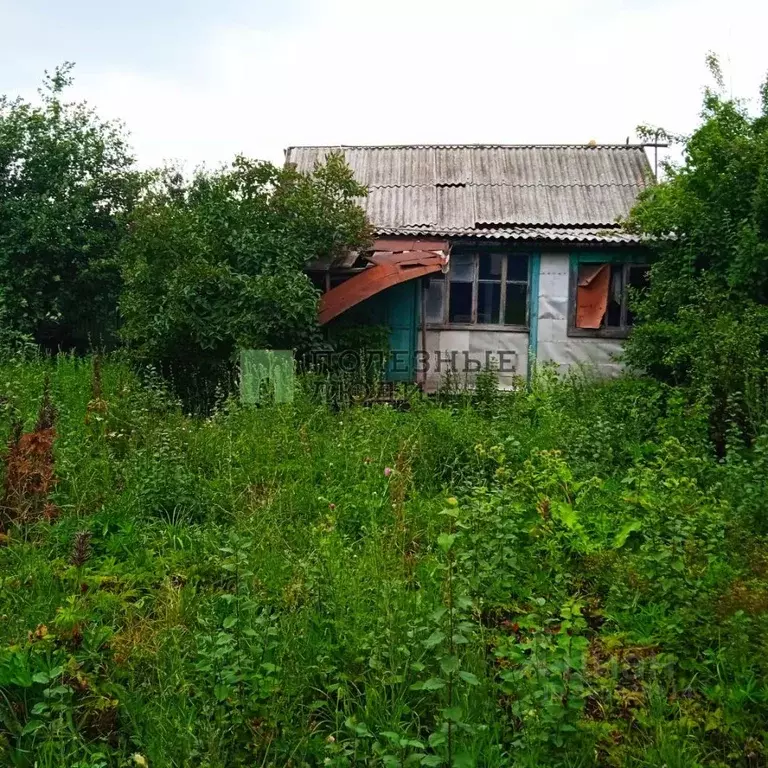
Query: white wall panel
pixel 476 343
pixel 554 344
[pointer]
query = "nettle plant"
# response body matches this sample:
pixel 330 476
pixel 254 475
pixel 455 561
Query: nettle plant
pixel 541 673
pixel 524 527
pixel 446 694
pixel 452 630
pixel 235 658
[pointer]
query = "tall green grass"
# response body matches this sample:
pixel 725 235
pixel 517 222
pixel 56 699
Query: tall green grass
pixel 559 576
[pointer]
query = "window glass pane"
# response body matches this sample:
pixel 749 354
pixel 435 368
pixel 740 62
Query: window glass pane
pixel 515 310
pixel 638 279
pixel 460 304
pixel 517 266
pixel 488 302
pixel 435 299
pixel 462 268
pixel 615 291
pixel 490 266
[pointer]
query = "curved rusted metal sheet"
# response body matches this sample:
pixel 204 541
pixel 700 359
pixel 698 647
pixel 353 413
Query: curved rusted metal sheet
pixel 392 262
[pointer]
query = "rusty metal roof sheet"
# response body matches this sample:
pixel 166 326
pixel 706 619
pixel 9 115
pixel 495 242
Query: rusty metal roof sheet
pixel 566 192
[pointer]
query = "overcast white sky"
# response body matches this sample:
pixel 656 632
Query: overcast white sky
pixel 198 81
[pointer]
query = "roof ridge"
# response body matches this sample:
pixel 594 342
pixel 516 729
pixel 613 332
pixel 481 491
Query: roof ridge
pixel 466 146
pixel 487 226
pixel 576 224
pixel 503 184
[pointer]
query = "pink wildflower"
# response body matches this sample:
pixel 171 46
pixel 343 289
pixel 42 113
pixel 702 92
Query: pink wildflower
pixel 387 471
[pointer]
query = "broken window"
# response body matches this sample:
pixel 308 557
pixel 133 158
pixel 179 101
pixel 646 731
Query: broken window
pixel 489 288
pixel 486 288
pixel 516 290
pixel 602 296
pixel 462 280
pixel 435 299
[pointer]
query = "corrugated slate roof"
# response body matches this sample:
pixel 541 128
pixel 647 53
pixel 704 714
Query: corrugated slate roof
pixel 552 234
pixel 561 192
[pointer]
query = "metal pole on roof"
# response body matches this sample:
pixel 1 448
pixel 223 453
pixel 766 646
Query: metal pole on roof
pixel 656 145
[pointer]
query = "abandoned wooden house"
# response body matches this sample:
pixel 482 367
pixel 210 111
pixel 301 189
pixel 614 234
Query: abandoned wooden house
pixel 490 255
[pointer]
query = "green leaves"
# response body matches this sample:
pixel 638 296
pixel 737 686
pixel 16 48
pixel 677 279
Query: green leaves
pixel 450 664
pixel 218 262
pixel 222 692
pixel 67 181
pixel 434 639
pixel 433 684
pixel 626 531
pixel 566 514
pixel 469 677
pixel 704 322
pixel 233 619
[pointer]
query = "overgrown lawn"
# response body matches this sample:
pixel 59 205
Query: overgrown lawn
pixel 563 576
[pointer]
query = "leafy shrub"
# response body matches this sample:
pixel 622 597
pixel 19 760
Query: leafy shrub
pixel 217 263
pixel 67 179
pixel 704 321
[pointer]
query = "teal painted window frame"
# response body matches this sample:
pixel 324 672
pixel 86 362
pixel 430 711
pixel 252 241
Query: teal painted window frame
pixel 595 257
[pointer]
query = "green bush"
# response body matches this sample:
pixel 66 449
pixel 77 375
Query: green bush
pixel 704 322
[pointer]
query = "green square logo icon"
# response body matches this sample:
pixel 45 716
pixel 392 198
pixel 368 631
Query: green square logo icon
pixel 267 375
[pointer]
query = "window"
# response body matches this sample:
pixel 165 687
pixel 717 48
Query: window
pixel 600 297
pixel 461 278
pixel 487 288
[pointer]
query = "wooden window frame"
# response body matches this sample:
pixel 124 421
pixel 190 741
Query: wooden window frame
pixel 620 332
pixel 446 324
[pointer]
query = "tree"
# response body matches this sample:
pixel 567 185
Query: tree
pixel 217 263
pixel 704 320
pixel 66 182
